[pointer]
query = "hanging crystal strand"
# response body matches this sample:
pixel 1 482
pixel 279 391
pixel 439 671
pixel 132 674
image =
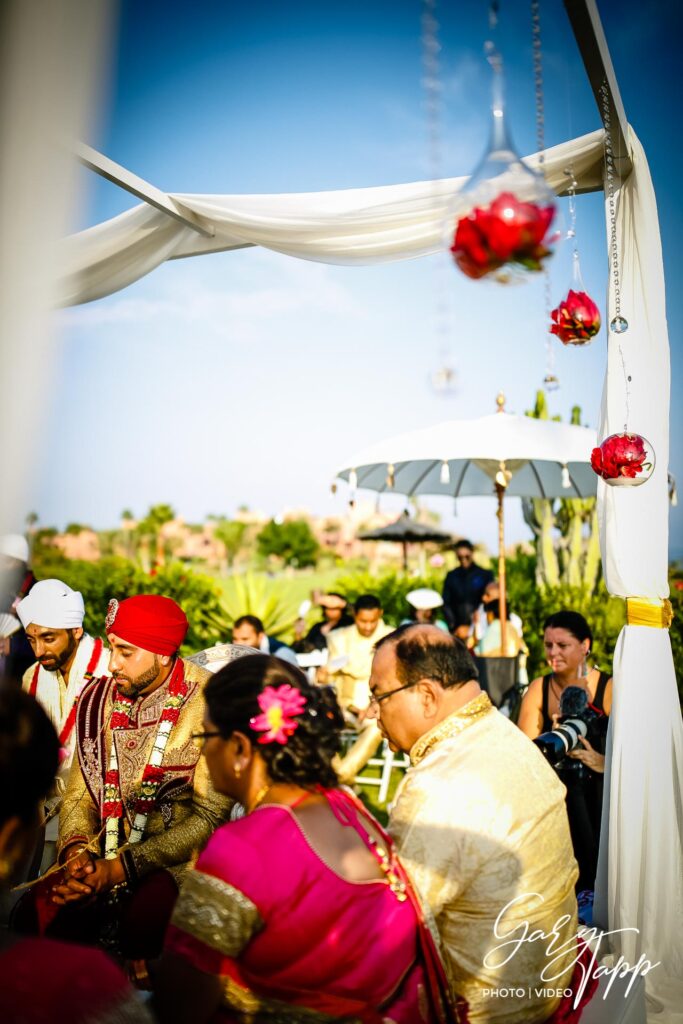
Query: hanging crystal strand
pixel 618 323
pixel 550 381
pixel 538 82
pixel 444 378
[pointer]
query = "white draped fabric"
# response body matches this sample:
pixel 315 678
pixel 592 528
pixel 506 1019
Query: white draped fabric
pixel 354 226
pixel 54 55
pixel 641 858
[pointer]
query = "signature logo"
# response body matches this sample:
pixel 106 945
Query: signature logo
pixel 563 954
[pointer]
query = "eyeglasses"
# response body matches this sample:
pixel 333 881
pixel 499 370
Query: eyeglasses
pixel 202 737
pixel 376 700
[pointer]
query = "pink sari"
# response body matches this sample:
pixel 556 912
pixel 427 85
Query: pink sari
pixel 291 939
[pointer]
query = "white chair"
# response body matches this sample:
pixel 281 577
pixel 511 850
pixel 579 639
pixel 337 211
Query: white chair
pixel 387 761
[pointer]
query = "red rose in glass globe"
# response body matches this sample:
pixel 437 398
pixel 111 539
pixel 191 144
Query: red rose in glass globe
pixel 508 231
pixel 576 320
pixel 624 460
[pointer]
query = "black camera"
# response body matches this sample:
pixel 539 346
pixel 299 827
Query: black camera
pixel 577 718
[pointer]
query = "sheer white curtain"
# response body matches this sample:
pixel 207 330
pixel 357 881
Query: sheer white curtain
pixel 640 874
pixel 52 55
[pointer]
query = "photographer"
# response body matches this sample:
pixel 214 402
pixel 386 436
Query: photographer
pixel 568 640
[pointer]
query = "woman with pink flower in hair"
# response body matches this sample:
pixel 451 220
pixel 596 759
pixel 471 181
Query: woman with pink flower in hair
pixel 299 910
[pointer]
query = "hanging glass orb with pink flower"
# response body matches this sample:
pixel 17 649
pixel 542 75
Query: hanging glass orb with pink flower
pixel 500 224
pixel 624 460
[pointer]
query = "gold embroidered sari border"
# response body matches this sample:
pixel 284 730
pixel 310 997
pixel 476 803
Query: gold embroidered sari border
pixel 257 1009
pixel 451 726
pixel 216 913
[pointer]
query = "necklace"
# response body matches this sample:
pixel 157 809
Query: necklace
pixel 112 809
pixel 263 792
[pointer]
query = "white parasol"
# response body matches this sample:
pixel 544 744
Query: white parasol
pixel 500 455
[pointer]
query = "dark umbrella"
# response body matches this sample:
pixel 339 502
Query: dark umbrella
pixel 406 531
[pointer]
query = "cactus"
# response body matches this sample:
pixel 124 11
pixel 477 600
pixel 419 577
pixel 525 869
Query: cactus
pixel 565 553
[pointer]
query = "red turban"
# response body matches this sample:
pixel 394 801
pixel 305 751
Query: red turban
pixel 157 624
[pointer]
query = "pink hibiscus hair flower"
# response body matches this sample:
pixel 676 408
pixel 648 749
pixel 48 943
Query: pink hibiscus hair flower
pixel 278 706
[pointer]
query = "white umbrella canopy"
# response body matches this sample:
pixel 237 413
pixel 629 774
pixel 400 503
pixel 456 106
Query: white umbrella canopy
pixel 545 459
pixel 499 455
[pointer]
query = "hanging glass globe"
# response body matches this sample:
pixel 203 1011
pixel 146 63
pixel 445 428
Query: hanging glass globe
pixel 499 224
pixel 444 380
pixel 624 460
pixel 551 382
pixel 576 320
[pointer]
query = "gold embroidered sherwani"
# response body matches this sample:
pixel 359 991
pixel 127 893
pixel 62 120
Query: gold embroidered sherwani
pixel 480 820
pixel 187 810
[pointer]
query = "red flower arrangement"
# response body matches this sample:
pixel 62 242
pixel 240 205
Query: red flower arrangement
pixel 508 231
pixel 576 319
pixel 622 457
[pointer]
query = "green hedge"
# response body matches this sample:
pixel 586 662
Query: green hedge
pixel 117 577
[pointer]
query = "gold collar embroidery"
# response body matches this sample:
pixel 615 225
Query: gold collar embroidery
pixel 451 726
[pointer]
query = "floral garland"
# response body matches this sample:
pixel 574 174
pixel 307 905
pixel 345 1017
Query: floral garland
pixel 112 807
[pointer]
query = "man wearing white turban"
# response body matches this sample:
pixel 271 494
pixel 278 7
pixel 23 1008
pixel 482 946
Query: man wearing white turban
pixel 66 659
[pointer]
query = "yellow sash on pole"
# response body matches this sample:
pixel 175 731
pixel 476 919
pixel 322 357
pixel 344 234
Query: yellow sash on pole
pixel 642 612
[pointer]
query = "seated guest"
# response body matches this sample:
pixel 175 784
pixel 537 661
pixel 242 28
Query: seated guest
pixel 299 910
pixel 249 631
pixel 348 669
pixel 424 604
pixel 335 616
pixel 491 643
pixel 351 649
pixel 481 826
pixel 567 638
pixel 40 979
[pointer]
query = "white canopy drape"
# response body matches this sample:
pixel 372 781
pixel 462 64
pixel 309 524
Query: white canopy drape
pixel 355 226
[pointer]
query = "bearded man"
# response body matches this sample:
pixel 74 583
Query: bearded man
pixel 139 803
pixel 66 657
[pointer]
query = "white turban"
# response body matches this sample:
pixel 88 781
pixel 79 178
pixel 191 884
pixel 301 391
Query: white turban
pixel 52 605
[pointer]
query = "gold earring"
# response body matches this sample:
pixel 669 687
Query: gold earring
pixel 5 868
pixel 238 770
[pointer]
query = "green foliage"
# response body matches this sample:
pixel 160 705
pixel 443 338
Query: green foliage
pixel 155 518
pixel 120 578
pixel 605 614
pixel 676 629
pixel 231 533
pixel 390 587
pixel 292 541
pixel 75 528
pixel 269 600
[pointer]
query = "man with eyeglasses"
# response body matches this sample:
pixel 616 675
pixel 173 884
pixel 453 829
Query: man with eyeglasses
pixel 481 827
pixel 464 587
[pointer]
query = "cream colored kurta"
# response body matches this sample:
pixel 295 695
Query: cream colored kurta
pixel 479 821
pixel 352 680
pixel 57 696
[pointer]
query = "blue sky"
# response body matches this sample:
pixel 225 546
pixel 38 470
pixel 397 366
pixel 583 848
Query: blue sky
pixel 248 377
